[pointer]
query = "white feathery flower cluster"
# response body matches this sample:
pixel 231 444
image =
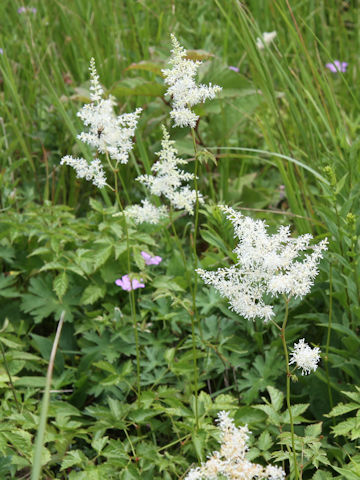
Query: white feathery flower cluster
pixel 267 264
pixel 169 177
pixel 230 461
pixel 147 213
pixel 92 171
pixel 182 86
pixel 107 133
pixel 266 39
pixel 305 357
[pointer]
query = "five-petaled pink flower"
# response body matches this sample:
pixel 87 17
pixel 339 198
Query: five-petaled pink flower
pixel 337 66
pixel 126 284
pixel 149 260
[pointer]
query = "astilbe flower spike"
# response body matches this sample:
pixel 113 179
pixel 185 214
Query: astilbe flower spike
pixel 107 133
pixel 230 462
pixel 267 264
pixel 183 89
pixel 169 177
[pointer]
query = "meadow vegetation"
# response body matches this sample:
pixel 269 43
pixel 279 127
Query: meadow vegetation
pixel 179 240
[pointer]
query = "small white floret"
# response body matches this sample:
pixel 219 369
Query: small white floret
pixel 266 39
pixel 305 357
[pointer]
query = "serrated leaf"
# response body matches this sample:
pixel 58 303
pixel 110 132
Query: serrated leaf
pixel 313 430
pixel 265 442
pixel 91 294
pixel 277 397
pixel 74 457
pixel 199 442
pixel 341 409
pixel 101 256
pixel 31 382
pixel 60 284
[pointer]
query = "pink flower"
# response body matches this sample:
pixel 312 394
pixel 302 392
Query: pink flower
pixel 149 260
pixel 337 66
pixel 234 69
pixel 126 284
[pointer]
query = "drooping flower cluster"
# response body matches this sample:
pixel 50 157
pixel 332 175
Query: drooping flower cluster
pixel 230 462
pixel 182 86
pixel 267 264
pixel 169 177
pixel 265 40
pixel 305 357
pixel 107 133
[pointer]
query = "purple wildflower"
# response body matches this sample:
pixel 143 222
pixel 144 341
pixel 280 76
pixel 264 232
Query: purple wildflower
pixel 234 69
pixel 149 260
pixel 1 51
pixel 27 9
pixel 337 66
pixel 126 284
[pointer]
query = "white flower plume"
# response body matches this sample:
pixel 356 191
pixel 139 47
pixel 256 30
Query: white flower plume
pixel 169 177
pixel 92 171
pixel 267 264
pixel 305 357
pixel 107 133
pixel 147 213
pixel 230 462
pixel 182 86
pixel 266 39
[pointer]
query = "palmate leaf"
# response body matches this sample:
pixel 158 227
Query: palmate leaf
pixel 42 302
pixel 7 286
pixel 263 373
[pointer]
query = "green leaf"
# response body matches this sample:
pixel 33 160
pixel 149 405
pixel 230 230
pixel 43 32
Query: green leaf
pixel 60 284
pixel 277 398
pixel 313 430
pixel 31 382
pixel 264 441
pixel 6 284
pixel 199 441
pixel 41 301
pixel 341 409
pixel 91 294
pixel 72 458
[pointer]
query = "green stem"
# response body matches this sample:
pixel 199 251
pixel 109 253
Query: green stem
pixel 328 338
pixel 131 292
pixel 10 379
pixel 39 443
pixel 194 316
pixel 288 377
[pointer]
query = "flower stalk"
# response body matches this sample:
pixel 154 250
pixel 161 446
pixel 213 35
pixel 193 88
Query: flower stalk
pixel 288 393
